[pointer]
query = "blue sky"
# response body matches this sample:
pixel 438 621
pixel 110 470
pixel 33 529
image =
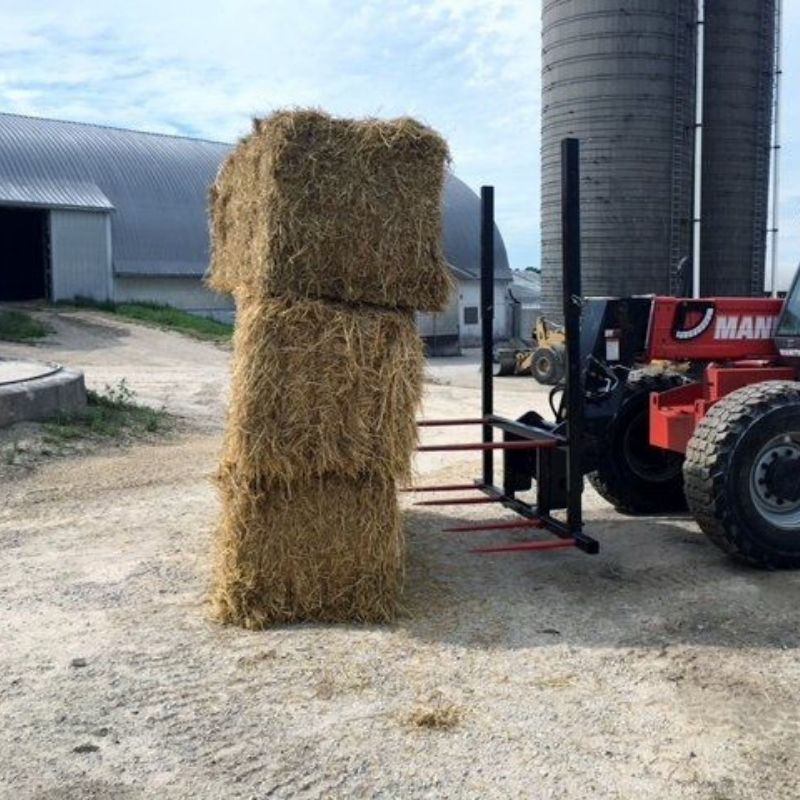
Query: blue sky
pixel 470 68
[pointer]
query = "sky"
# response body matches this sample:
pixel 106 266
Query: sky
pixel 469 68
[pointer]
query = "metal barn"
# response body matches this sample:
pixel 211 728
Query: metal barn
pixel 120 215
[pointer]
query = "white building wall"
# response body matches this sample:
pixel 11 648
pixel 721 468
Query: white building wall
pixel 440 330
pixel 469 303
pixel 187 294
pixel 80 247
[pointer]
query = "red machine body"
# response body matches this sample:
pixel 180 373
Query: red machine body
pixel 734 335
pixel 717 329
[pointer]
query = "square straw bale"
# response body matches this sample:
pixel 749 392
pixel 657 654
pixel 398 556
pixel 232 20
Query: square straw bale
pixel 321 388
pixel 328 549
pixel 340 209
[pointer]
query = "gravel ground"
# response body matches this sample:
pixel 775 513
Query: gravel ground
pixel 655 669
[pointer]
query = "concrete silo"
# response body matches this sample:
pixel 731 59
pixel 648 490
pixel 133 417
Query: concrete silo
pixel 738 79
pixel 619 75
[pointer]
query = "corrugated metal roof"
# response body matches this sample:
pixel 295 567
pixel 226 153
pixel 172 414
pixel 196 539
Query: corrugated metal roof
pixel 46 192
pixel 526 286
pixel 157 186
pixel 461 235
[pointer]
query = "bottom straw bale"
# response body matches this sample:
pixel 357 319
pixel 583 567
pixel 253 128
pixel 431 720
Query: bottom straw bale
pixel 328 549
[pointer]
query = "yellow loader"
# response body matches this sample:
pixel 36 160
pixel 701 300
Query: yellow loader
pixel 545 361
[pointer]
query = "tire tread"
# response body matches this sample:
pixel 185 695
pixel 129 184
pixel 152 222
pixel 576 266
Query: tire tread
pixel 707 459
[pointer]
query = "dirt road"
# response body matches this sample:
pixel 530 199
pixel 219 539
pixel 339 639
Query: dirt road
pixel 656 669
pixel 187 376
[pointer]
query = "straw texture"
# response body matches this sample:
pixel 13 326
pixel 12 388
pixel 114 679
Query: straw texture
pixel 319 389
pixel 328 233
pixel 327 549
pixel 309 206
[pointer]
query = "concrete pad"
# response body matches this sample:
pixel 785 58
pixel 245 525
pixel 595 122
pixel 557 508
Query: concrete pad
pixel 30 390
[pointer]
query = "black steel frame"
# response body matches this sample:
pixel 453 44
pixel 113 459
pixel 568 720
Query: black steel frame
pixel 551 453
pixel 570 440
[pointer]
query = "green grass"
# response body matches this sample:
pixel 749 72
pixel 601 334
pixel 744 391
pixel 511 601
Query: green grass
pixel 110 414
pixel 10 454
pixel 163 317
pixel 17 326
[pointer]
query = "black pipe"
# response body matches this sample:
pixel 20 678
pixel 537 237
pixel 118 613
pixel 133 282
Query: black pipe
pixel 571 282
pixel 487 324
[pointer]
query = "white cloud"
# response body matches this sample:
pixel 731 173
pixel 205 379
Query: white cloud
pixel 468 67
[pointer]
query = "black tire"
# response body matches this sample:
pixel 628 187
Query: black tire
pixel 633 476
pixel 507 360
pixel 740 473
pixel 561 357
pixel 546 366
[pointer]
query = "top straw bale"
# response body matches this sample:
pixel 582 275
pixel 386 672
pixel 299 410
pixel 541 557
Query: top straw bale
pixel 309 206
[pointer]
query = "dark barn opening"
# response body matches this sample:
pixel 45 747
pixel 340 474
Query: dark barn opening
pixel 23 254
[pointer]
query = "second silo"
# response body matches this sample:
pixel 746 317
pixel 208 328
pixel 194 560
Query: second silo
pixel 737 118
pixel 619 75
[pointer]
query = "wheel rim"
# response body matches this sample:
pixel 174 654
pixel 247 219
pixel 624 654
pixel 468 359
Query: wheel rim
pixel 647 462
pixel 543 365
pixel 779 510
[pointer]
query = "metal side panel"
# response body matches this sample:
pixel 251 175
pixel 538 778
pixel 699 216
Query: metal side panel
pixel 80 254
pixel 187 294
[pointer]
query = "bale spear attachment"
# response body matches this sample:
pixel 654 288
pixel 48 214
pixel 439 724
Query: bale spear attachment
pixel 533 449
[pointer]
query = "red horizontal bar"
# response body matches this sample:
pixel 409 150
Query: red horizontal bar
pixel 459 501
pixel 497 526
pixel 433 423
pixel 447 487
pixel 531 444
pixel 558 544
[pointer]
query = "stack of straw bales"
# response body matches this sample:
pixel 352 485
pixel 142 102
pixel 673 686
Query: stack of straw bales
pixel 328 233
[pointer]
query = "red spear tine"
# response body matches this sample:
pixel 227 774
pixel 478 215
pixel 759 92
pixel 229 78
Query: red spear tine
pixel 519 444
pixel 497 526
pixel 459 501
pixel 558 544
pixel 437 423
pixel 448 487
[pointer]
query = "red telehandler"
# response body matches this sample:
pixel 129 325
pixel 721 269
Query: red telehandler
pixel 721 437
